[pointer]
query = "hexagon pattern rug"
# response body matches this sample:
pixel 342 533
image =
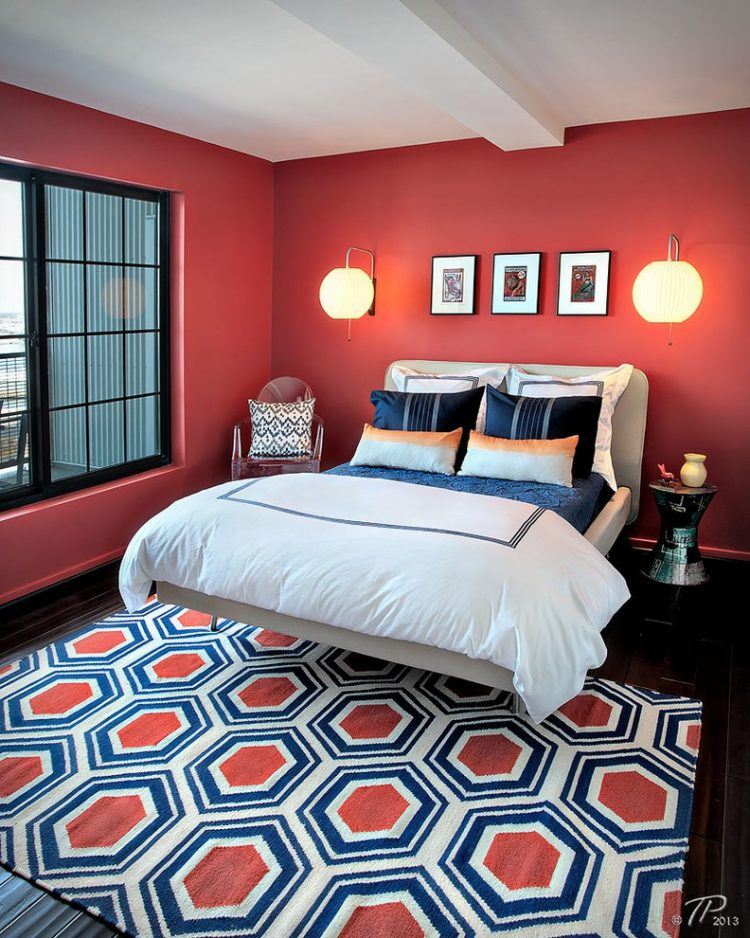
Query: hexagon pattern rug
pixel 175 781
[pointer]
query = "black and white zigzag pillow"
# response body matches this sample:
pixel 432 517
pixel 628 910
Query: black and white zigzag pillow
pixel 281 429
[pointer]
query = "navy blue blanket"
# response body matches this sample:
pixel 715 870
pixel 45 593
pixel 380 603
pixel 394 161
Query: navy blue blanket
pixel 579 505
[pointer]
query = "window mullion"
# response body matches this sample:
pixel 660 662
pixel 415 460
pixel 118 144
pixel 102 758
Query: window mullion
pixel 41 356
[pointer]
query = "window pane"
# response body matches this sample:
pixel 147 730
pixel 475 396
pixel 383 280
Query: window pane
pixel 64 297
pixel 64 223
pixel 105 367
pixel 106 434
pixel 141 363
pixel 12 298
pixel 66 372
pixel 143 427
pixel 13 376
pixel 105 288
pixel 14 452
pixel 103 227
pixel 141 297
pixel 68 443
pixel 141 231
pixel 11 218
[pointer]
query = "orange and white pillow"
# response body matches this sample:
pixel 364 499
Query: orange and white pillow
pixel 548 461
pixel 404 449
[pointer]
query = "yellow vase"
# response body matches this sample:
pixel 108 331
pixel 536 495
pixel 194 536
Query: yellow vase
pixel 693 472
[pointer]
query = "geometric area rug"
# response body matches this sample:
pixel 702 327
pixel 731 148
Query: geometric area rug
pixel 175 781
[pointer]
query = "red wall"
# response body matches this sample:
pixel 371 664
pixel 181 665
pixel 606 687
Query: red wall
pixel 618 186
pixel 222 244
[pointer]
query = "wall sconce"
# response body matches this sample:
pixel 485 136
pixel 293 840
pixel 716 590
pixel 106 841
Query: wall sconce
pixel 348 292
pixel 668 291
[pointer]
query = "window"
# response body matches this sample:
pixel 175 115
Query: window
pixel 84 332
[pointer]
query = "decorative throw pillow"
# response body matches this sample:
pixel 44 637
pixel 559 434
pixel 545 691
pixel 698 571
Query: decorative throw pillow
pixel 404 449
pixel 547 418
pixel 548 461
pixel 608 385
pixel 400 410
pixel 419 382
pixel 280 430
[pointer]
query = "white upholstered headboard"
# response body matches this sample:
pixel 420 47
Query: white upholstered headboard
pixel 628 422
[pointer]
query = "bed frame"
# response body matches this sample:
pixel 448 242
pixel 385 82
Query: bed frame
pixel 628 430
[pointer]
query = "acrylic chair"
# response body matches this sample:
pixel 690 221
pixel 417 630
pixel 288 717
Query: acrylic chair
pixel 283 390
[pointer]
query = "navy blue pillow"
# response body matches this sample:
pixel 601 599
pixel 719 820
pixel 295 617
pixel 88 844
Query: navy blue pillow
pixel 441 413
pixel 547 418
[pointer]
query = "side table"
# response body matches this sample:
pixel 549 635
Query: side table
pixel 676 558
pixel 246 468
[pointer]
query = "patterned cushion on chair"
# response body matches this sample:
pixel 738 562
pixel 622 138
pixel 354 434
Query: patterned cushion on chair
pixel 281 430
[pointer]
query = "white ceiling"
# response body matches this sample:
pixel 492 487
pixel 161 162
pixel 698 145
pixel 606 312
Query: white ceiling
pixel 297 78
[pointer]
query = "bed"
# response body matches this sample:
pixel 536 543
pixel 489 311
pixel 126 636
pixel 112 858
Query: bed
pixel 488 589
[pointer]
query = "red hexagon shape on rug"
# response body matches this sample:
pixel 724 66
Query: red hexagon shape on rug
pixel 371 721
pixel 270 639
pixel 60 698
pixel 99 642
pixel 148 729
pixel 264 692
pixel 384 919
pixel 522 860
pixel 252 765
pixel 372 808
pixel 190 619
pixel 178 664
pixel 17 771
pixel 225 876
pixel 587 710
pixel 632 796
pixel 490 754
pixel 106 821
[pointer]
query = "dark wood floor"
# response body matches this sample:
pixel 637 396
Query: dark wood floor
pixel 704 654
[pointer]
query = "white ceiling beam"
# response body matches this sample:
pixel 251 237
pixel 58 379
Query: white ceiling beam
pixel 419 43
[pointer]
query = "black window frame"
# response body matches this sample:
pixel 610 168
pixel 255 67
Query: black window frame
pixel 41 486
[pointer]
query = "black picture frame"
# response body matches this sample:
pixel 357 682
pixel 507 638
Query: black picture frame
pixel 473 310
pixel 564 254
pixel 539 255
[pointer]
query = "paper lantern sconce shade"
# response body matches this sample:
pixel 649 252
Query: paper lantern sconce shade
pixel 348 292
pixel 668 291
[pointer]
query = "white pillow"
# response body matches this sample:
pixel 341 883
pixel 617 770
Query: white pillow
pixel 608 385
pixel 493 457
pixel 420 382
pixel 408 449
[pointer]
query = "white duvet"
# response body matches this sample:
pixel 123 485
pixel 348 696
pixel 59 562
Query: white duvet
pixel 484 576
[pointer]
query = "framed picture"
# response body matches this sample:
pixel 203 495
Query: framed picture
pixel 583 289
pixel 454 285
pixel 515 284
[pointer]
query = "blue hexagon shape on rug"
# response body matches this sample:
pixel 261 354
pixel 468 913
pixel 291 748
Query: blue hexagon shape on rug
pixel 246 769
pixel 384 902
pixel 182 667
pixel 678 735
pixel 554 884
pixel 632 799
pixel 226 879
pixel 30 768
pixel 268 693
pixel 147 731
pixel 350 667
pixel 599 714
pixel 99 644
pixel 372 722
pixel 478 758
pixel 60 699
pixel 379 811
pixel 103 826
pixel 650 901
pixel 456 695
